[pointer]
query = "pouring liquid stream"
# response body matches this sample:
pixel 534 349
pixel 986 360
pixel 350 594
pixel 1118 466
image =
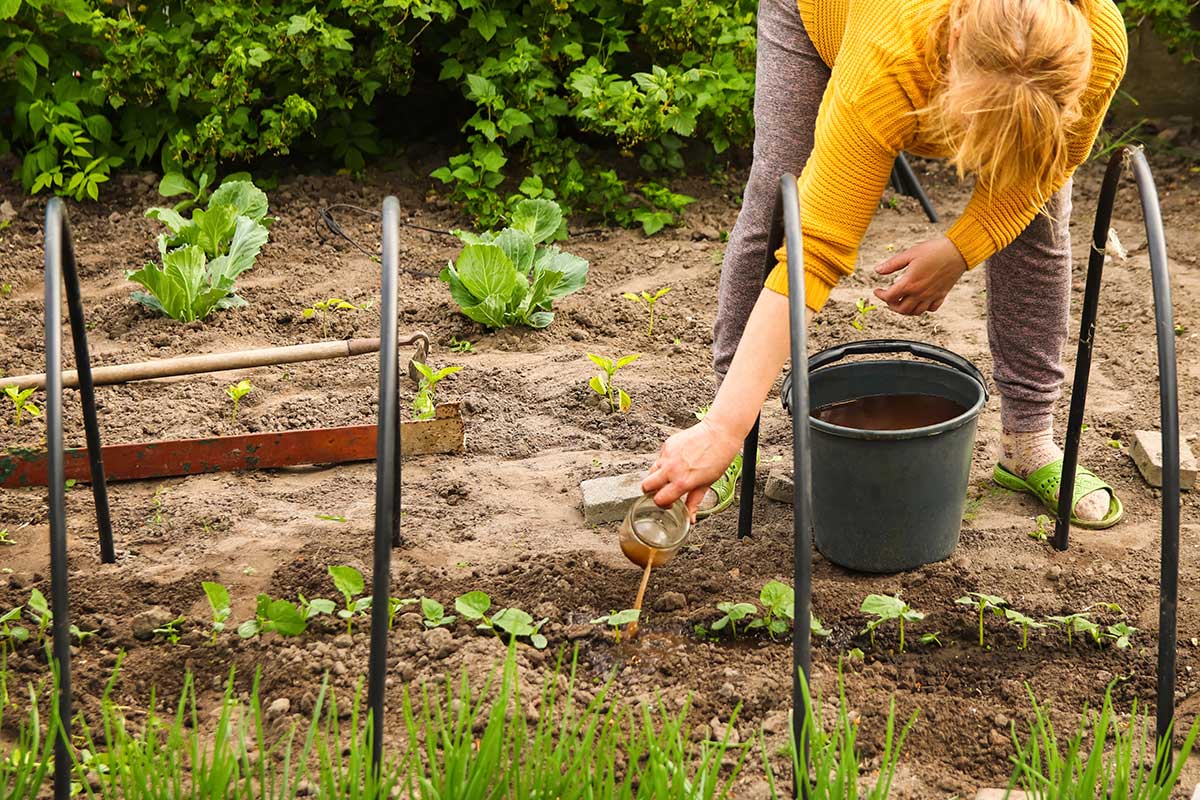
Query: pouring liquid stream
pixel 648 530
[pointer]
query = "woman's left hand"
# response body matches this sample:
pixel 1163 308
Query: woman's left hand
pixel 930 271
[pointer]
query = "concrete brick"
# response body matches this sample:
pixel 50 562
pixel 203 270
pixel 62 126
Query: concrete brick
pixel 1000 794
pixel 1196 794
pixel 1147 454
pixel 780 486
pixel 608 499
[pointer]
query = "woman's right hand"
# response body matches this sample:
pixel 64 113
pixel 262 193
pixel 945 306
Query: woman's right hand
pixel 689 463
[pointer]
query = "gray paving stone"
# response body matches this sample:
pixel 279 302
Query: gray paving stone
pixel 1147 454
pixel 607 499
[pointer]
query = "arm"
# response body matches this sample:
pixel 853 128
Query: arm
pixel 693 458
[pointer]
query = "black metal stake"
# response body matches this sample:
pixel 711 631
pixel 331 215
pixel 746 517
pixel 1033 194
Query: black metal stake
pixel 387 475
pixel 1168 393
pixel 749 480
pixel 801 463
pixel 904 180
pixel 58 254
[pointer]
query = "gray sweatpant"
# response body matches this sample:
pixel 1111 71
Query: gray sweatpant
pixel 1028 282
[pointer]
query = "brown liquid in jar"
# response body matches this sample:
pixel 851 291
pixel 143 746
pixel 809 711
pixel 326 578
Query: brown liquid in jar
pixel 639 553
pixel 890 412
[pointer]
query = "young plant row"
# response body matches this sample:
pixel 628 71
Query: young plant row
pixel 883 609
pixel 288 618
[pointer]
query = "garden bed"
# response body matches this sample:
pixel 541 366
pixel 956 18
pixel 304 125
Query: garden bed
pixel 505 517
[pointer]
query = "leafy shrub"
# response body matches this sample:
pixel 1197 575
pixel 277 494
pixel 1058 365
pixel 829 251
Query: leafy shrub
pixel 512 277
pixel 544 85
pixel 202 257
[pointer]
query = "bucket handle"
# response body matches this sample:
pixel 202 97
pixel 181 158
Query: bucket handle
pixel 920 349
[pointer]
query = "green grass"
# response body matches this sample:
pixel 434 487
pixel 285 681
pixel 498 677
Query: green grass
pixel 1089 765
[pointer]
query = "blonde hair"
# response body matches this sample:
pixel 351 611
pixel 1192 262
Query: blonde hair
pixel 1010 77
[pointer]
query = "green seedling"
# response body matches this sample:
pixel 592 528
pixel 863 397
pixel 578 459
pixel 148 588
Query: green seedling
pixel 331 517
pixel 279 616
pixel 888 607
pixel 618 399
pixel 649 300
pixel 22 405
pixel 236 392
pixel 1120 634
pixel 435 614
pixel 461 346
pixel 394 606
pixel 424 403
pixel 1044 527
pixel 10 632
pixel 1116 444
pixel 615 619
pixel 863 308
pixel 983 602
pixel 817 628
pixel 513 621
pixel 734 613
pixel 324 307
pixel 218 601
pixel 6 537
pixel 931 638
pixel 171 630
pixel 349 582
pixel 856 654
pixel 39 610
pixel 5 288
pixel 1077 623
pixel 1023 622
pixel 315 607
pixel 779 606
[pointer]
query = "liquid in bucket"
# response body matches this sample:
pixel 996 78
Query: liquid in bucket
pixel 890 412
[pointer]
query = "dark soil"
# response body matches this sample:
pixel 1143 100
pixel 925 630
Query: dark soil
pixel 505 516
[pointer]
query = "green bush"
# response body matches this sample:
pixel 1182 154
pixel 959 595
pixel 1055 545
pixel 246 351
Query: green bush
pixel 530 90
pixel 89 86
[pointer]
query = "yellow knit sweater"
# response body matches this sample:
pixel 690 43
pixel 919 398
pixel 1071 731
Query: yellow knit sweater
pixel 876 49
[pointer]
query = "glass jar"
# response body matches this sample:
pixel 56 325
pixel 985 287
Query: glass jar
pixel 652 535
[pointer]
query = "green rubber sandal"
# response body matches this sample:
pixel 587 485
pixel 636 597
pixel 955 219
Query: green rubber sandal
pixel 1043 484
pixel 724 489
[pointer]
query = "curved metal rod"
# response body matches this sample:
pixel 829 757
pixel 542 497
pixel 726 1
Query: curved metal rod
pixel 387 474
pixel 801 456
pixel 60 269
pixel 61 273
pixel 1168 394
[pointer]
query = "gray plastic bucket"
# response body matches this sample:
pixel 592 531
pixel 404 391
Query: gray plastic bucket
pixel 888 501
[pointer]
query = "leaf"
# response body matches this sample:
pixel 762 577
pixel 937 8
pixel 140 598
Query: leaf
pixel 486 271
pixel 37 603
pixel 432 609
pixel 320 606
pixel 598 386
pixel 9 8
pixel 625 361
pixel 514 621
pixel 286 619
pixel 347 580
pixel 776 595
pixel 179 285
pixel 538 641
pixel 883 606
pixel 248 240
pixel 624 401
pixel 518 246
pixel 175 183
pixel 601 362
pixel 249 629
pixel 218 596
pixel 243 196
pixel 473 605
pixel 169 217
pixel 573 270
pixel 539 218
